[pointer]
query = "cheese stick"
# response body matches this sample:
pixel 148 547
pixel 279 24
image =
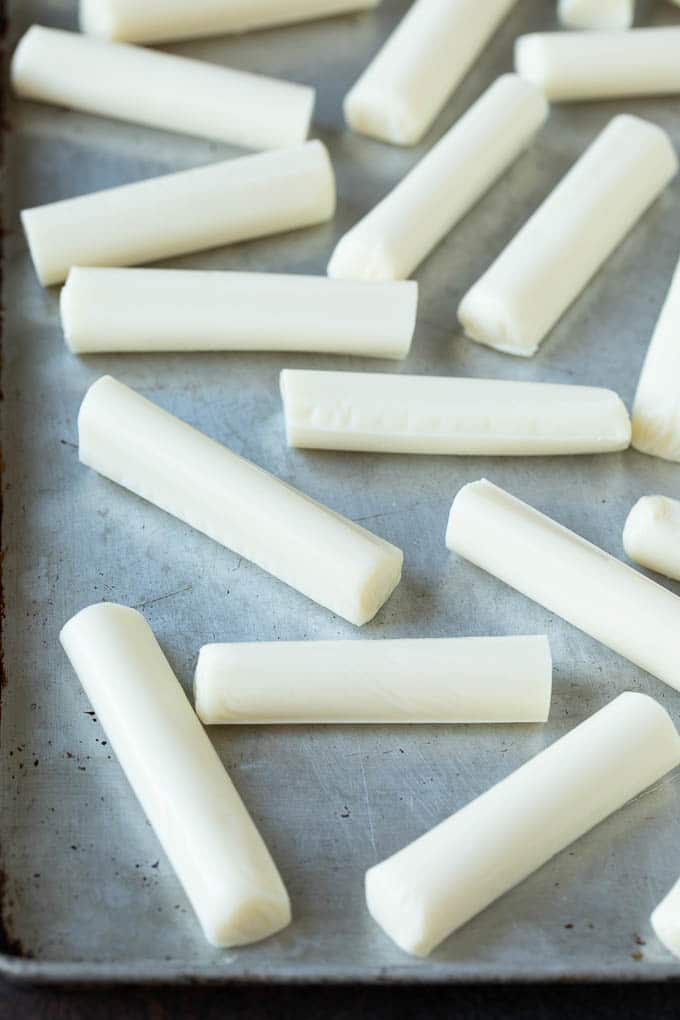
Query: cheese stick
pixel 143 86
pixel 183 212
pixel 152 21
pixel 186 310
pixel 665 920
pixel 573 66
pixel 596 14
pixel 656 408
pixel 200 820
pixel 569 576
pixel 425 414
pixel 441 680
pixel 651 535
pixel 434 885
pixel 394 238
pixel 560 248
pixel 162 459
pixel 408 82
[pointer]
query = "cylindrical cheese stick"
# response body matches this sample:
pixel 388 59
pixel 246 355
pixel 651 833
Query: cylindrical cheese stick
pixel 160 90
pixel 199 818
pixel 151 21
pixel 651 535
pixel 441 680
pixel 425 414
pixel 324 555
pixel 183 212
pixel 571 577
pixel 549 262
pixel 665 920
pixel 572 66
pixel 395 237
pixel 597 14
pixel 656 408
pixel 186 310
pixel 434 885
pixel 407 83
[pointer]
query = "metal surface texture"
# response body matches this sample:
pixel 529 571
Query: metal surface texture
pixel 87 893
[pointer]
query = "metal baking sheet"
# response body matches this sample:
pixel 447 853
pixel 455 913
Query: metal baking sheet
pixel 87 893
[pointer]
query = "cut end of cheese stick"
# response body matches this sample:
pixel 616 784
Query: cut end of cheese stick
pixel 518 300
pixel 665 920
pixel 651 536
pixel 139 85
pixel 436 884
pixel 578 66
pixel 596 14
pixel 394 238
pixel 444 680
pixel 192 210
pixel 425 414
pixel 656 408
pixel 322 554
pixel 199 818
pixel 188 310
pixel 569 576
pixel 154 21
pixel 408 82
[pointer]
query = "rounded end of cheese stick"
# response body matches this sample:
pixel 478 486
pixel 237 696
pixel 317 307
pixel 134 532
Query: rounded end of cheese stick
pixel 353 260
pixel 654 430
pixel 530 60
pixel 493 324
pixel 236 920
pixel 665 920
pixel 651 535
pixel 67 309
pixel 386 118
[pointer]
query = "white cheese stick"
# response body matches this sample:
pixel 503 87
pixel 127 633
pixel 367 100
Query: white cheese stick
pixel 183 212
pixel 394 238
pixel 441 680
pixel 187 310
pixel 596 14
pixel 651 535
pixel 426 414
pixel 434 885
pixel 560 248
pixel 152 21
pixel 162 459
pixel 571 577
pixel 181 784
pixel 408 82
pixel 656 408
pixel 573 66
pixel 160 90
pixel 665 920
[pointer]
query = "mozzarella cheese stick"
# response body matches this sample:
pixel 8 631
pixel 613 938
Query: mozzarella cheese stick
pixel 596 14
pixel 155 21
pixel 434 885
pixel 665 920
pixel 408 82
pixel 573 66
pixel 162 459
pixel 187 310
pixel 441 680
pixel 569 576
pixel 651 535
pixel 144 86
pixel 656 408
pixel 560 248
pixel 183 212
pixel 394 238
pixel 199 818
pixel 425 414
